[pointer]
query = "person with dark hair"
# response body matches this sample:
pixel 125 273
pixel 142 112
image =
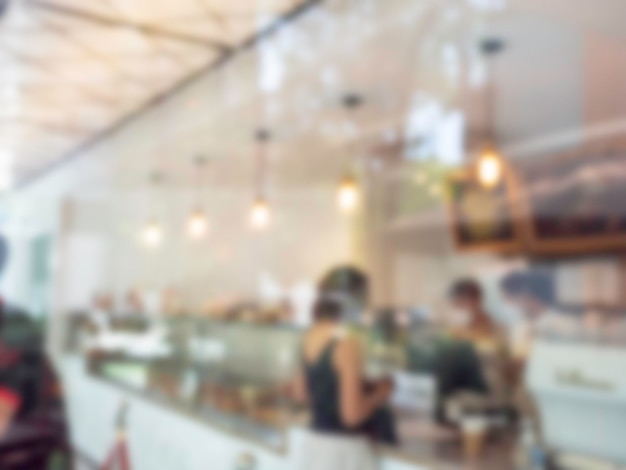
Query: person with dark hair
pixel 332 381
pixel 9 398
pixel 466 288
pixel 33 430
pixel 471 320
pixel 352 284
pixel 475 326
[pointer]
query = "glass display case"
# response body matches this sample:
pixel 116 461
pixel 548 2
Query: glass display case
pixel 231 375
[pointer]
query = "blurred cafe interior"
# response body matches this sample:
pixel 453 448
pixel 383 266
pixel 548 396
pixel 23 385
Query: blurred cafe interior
pixel 182 180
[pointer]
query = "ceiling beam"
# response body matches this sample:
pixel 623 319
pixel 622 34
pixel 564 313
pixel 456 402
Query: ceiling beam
pixel 109 62
pixel 153 42
pixel 70 61
pixel 111 22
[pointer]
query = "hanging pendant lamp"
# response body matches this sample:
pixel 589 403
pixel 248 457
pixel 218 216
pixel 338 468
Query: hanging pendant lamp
pixel 349 192
pixel 198 222
pixel 152 231
pixel 348 195
pixel 152 234
pixel 490 167
pixel 260 212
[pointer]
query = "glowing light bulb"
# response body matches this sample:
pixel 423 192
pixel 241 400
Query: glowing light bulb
pixel 198 225
pixel 490 170
pixel 152 234
pixel 260 214
pixel 348 195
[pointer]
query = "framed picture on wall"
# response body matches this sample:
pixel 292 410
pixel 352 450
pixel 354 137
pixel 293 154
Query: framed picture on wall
pixel 485 219
pixel 577 203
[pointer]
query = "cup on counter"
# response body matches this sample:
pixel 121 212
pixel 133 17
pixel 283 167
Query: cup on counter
pixel 474 433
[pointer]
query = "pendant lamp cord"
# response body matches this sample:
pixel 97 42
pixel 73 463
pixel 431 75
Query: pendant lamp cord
pixel 262 137
pixel 352 102
pixel 490 48
pixel 200 164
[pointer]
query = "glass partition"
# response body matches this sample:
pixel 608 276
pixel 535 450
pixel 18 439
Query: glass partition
pixel 231 375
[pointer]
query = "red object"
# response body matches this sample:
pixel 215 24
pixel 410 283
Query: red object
pixel 118 457
pixel 10 398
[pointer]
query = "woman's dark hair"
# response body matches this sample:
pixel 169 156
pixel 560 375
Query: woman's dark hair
pixel 327 308
pixel 466 289
pixel 348 280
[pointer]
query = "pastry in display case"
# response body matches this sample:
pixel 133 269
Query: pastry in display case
pixel 230 373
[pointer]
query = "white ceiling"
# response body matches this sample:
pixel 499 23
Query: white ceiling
pixel 71 68
pixel 411 61
pixel 402 56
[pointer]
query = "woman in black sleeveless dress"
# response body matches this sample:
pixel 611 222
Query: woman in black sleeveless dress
pixel 332 382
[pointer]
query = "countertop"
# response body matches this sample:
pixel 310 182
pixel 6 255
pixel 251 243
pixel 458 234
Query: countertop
pixel 425 443
pixel 422 443
pixel 428 445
